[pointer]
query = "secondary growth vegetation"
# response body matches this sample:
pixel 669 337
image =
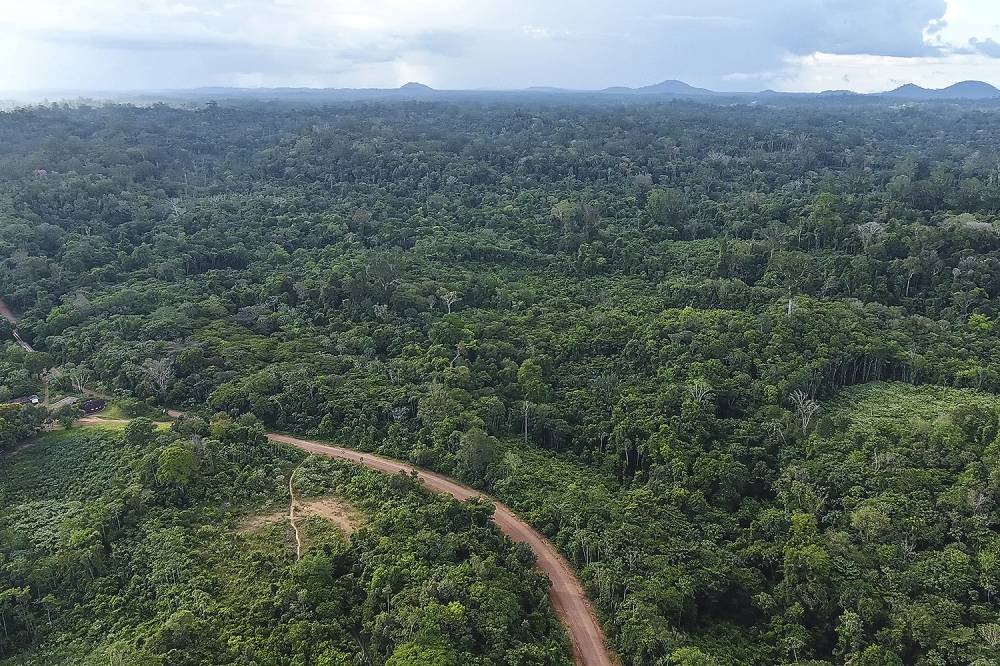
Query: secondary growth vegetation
pixel 124 547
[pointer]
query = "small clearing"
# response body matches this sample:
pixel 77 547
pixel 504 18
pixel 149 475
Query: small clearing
pixel 329 508
pixel 875 403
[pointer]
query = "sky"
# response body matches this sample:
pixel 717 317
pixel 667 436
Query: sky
pixel 732 45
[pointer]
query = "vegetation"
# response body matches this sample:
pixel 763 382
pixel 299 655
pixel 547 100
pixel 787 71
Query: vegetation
pixel 123 546
pixel 739 362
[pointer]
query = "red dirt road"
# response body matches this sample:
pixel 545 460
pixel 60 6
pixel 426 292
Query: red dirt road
pixel 565 591
pixel 566 594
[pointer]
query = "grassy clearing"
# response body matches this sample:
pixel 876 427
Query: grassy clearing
pixel 887 403
pixel 112 411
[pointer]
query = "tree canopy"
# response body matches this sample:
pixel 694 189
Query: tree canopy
pixel 739 362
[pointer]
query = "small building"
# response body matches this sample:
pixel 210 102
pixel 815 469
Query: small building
pixel 93 405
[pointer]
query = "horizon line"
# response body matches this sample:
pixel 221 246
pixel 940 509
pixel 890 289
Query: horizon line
pixel 416 86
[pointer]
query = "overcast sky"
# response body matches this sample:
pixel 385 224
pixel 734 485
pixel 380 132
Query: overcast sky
pixel 863 45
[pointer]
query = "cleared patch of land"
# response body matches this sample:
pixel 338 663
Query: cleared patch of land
pixel 329 508
pixel 868 405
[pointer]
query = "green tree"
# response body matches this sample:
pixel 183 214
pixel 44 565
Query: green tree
pixel 139 432
pixel 419 654
pixel 67 415
pixel 691 656
pixel 532 382
pixel 176 467
pixel 476 453
pixel 667 206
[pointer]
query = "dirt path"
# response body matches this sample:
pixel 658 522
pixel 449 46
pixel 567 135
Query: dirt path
pixel 291 511
pixel 566 593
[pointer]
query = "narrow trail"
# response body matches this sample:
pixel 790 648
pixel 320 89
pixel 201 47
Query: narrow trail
pixel 565 593
pixel 291 511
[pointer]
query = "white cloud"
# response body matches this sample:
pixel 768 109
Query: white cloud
pixel 868 73
pixel 698 18
pixel 966 40
pixel 965 20
pixel 237 42
pixel 536 31
pixel 727 44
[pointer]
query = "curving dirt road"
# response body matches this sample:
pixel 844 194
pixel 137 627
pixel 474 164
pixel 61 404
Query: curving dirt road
pixel 566 594
pixel 565 591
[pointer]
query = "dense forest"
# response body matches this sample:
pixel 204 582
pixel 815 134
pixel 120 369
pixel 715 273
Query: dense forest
pixel 738 362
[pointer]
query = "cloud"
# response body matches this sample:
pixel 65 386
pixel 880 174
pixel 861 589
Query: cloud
pixel 869 73
pixel 397 47
pixel 439 42
pixel 537 32
pixel 987 46
pixel 125 42
pixel 698 18
pixel 726 44
pixel 936 26
pixel 850 27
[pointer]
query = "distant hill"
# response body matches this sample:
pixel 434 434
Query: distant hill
pixel 413 86
pixel 960 90
pixel 909 91
pixel 674 87
pixel 964 90
pixel 669 87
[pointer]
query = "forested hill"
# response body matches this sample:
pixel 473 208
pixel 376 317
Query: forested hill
pixel 634 323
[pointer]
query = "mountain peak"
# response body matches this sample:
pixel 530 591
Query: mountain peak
pixel 910 87
pixel 668 87
pixel 413 86
pixel 972 89
pixel 960 90
pixel 673 85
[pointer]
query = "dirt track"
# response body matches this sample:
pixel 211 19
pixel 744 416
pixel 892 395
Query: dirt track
pixel 565 591
pixel 291 512
pixel 566 594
